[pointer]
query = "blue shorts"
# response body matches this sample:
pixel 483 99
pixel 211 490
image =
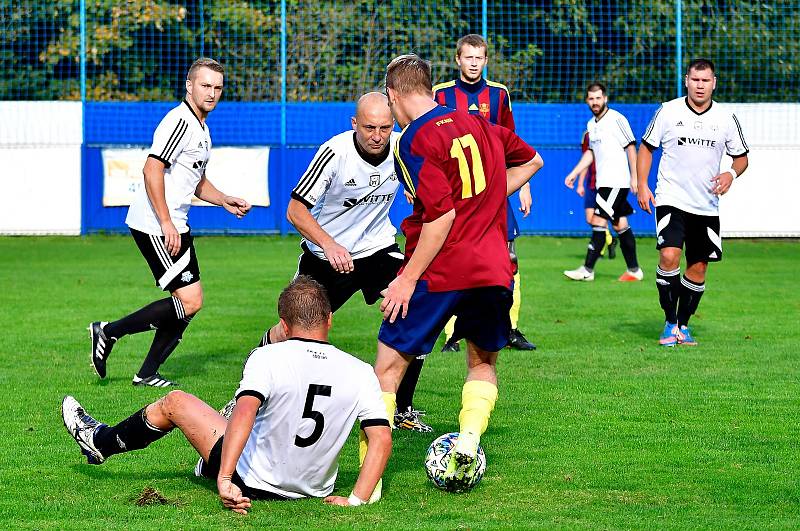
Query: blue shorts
pixel 588 198
pixel 481 317
pixel 511 220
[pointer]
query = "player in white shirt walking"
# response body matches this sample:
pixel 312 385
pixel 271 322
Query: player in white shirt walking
pixel 157 218
pixel 295 407
pixel 612 147
pixel 341 208
pixel 694 133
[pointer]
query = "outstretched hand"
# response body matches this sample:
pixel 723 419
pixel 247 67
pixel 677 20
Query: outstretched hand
pixel 397 297
pixel 231 496
pixel 236 206
pixel 645 197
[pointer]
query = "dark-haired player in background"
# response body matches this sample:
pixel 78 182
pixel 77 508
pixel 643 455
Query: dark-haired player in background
pixel 694 133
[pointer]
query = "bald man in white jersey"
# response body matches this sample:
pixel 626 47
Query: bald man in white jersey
pixel 694 133
pixel 295 407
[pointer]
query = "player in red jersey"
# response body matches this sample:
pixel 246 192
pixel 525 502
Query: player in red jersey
pixel 473 93
pixel 454 165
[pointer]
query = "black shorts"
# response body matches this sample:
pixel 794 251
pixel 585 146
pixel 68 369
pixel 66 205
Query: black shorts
pixel 210 469
pixel 170 272
pixel 612 204
pixel 675 227
pixel 371 274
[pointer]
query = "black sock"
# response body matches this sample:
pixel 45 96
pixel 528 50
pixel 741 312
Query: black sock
pixel 669 289
pixel 405 392
pixel 165 341
pixel 153 315
pixel 596 245
pixel 133 433
pixel 690 299
pixel 627 244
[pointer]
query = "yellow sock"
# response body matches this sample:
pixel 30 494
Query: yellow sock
pixel 449 328
pixel 477 402
pixel 514 312
pixel 609 238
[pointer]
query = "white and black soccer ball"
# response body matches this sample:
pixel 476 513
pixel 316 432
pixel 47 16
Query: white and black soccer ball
pixel 437 459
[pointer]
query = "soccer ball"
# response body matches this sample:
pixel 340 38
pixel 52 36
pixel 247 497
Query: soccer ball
pixel 437 459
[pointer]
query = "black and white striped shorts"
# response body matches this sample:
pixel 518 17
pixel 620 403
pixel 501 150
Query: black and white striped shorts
pixel 170 272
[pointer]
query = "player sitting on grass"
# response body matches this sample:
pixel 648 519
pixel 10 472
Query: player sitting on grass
pixel 295 407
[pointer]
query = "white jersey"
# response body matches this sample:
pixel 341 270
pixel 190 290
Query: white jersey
pixel 312 393
pixel 349 197
pixel 608 138
pixel 183 144
pixel 693 147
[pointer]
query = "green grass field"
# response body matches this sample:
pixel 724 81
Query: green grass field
pixel 599 428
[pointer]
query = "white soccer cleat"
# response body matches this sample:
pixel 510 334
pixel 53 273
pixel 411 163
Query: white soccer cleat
pixel 632 276
pixel 81 426
pixel 463 459
pixel 580 274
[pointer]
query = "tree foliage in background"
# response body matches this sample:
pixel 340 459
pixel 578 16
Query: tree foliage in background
pixel 546 51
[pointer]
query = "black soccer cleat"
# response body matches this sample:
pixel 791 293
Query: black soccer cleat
pixel 612 248
pixel 101 347
pixel 411 420
pixel 81 426
pixel 451 346
pixel 154 380
pixel 518 342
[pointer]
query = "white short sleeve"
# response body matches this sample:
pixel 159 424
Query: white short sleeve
pixel 169 139
pixel 256 376
pixel 624 132
pixel 371 406
pixel 317 178
pixel 735 143
pixel 655 129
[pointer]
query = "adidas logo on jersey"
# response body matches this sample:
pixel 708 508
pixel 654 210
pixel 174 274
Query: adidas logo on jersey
pixel 679 124
pixel 351 182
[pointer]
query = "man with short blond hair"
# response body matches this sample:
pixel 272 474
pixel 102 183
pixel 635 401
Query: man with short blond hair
pixel 454 165
pixel 175 171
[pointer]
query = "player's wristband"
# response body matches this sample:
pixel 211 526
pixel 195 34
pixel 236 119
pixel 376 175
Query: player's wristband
pixel 354 500
pixel 733 172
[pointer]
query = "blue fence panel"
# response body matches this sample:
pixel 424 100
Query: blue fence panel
pixel 554 129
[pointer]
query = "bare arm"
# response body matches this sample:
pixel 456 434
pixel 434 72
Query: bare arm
pixel 206 191
pixel 299 216
pixel 586 160
pixel 630 150
pixel 379 448
pixel 239 427
pixel 643 162
pixel 518 176
pixel 431 239
pixel 722 182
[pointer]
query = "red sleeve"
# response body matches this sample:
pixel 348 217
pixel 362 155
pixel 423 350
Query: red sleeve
pixel 517 151
pixel 506 117
pixel 585 141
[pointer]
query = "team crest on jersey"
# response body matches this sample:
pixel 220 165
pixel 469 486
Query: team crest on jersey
pixel 484 109
pixel 374 179
pixel 698 125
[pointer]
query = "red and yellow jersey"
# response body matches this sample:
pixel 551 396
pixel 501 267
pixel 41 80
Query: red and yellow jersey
pixel 487 98
pixel 453 160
